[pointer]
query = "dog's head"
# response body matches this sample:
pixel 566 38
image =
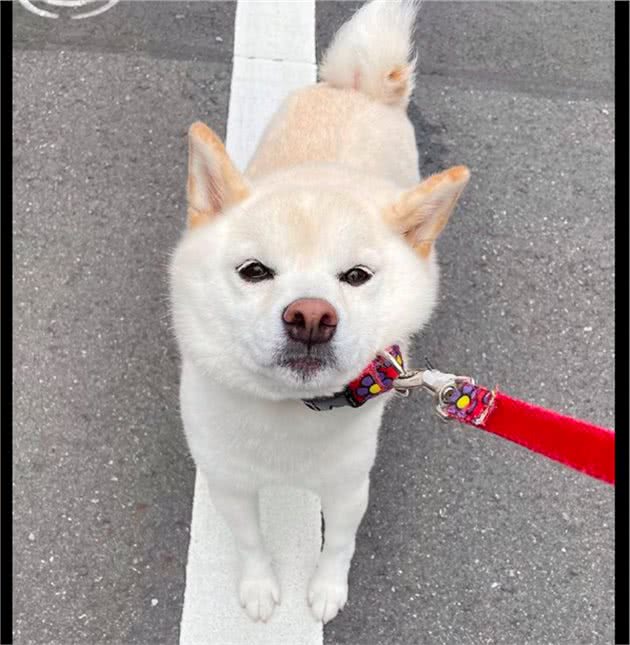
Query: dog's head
pixel 288 287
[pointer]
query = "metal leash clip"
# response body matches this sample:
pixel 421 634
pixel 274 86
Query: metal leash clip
pixel 442 386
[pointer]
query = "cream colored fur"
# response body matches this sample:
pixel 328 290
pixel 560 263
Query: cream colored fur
pixel 372 53
pixel 334 184
pixel 327 124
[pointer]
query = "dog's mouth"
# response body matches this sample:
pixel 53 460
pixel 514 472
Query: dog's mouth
pixel 306 363
pixel 306 366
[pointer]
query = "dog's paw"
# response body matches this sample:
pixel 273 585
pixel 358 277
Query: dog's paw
pixel 259 595
pixel 327 596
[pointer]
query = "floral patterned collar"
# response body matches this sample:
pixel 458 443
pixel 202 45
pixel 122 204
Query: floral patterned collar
pixel 377 378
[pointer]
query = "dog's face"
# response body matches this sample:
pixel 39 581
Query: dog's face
pixel 288 292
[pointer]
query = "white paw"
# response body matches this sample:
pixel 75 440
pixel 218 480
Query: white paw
pixel 259 595
pixel 327 596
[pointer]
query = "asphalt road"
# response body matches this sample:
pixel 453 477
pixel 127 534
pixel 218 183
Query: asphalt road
pixel 467 539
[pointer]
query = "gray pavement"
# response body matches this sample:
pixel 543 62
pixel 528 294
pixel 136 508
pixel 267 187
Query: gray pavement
pixel 467 539
pixel 103 480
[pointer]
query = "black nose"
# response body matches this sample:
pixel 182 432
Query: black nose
pixel 310 320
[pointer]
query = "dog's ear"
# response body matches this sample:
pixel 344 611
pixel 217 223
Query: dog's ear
pixel 214 183
pixel 421 213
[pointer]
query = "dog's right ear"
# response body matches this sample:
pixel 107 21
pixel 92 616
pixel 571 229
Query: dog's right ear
pixel 214 183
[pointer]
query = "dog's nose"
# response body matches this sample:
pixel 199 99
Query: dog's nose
pixel 310 320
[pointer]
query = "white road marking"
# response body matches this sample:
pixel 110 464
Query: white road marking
pixel 274 53
pixel 277 30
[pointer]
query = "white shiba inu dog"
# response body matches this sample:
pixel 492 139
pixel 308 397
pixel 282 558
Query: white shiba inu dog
pixel 291 278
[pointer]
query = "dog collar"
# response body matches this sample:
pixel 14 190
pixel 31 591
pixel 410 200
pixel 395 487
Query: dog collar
pixel 377 378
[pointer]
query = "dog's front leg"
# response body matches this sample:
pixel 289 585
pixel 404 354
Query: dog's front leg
pixel 259 590
pixel 343 509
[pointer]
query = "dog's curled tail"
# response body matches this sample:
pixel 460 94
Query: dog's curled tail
pixel 373 52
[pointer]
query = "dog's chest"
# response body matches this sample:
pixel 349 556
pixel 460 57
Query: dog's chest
pixel 244 440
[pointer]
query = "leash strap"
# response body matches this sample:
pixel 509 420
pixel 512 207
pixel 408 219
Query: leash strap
pixel 577 444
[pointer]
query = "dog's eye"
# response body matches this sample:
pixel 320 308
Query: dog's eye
pixel 356 276
pixel 254 271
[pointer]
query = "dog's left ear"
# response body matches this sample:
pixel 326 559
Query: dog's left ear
pixel 214 183
pixel 421 213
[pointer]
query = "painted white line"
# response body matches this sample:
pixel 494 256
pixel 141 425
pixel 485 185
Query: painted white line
pixel 274 49
pixel 276 29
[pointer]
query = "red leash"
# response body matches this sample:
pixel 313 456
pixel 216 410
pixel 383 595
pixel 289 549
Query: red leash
pixel 577 444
